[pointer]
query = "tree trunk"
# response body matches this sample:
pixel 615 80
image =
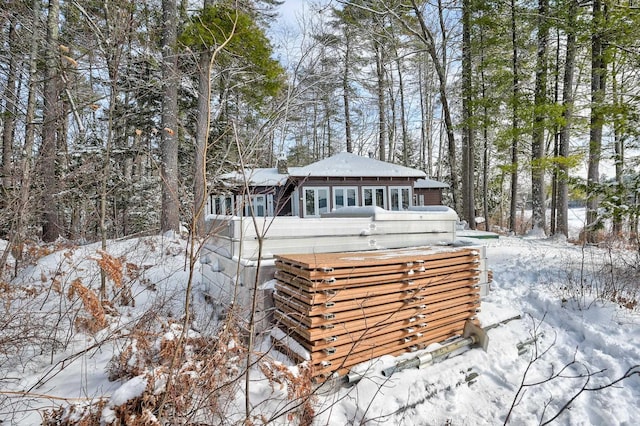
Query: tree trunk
pixel 170 215
pixel 513 210
pixel 202 138
pixel 9 116
pixel 538 133
pixel 429 41
pixel 346 95
pixel 468 167
pixel 51 226
pixel 598 78
pixel 562 226
pixel 618 147
pixel 21 215
pixel 382 123
pixel 406 147
pixel 485 136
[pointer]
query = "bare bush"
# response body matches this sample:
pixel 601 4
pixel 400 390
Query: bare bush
pixel 609 274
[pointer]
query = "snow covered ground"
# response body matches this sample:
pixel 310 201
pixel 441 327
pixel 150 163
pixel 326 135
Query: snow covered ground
pixel 570 340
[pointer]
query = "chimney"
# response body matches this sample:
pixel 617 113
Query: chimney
pixel 282 165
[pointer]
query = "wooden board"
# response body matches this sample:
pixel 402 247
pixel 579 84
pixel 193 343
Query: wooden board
pixel 310 337
pixel 296 312
pixel 322 266
pixel 357 281
pixel 424 294
pixel 346 308
pixel 436 284
pixel 389 331
pixel 324 369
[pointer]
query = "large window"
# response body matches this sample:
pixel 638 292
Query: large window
pixel 262 205
pixel 399 197
pixel 374 196
pixel 222 204
pixel 316 201
pixel 259 205
pixel 345 197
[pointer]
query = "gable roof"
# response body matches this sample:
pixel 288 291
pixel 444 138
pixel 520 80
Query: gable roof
pixel 346 164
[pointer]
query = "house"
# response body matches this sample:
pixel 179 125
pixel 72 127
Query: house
pixel 342 180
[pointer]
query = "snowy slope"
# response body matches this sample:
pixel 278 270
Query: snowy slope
pixel 529 279
pixel 571 341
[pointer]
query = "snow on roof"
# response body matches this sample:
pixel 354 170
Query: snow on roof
pixel 259 177
pixel 346 164
pixel 429 183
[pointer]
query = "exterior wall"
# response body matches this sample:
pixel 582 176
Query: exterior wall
pixel 428 196
pixel 379 189
pixel 301 196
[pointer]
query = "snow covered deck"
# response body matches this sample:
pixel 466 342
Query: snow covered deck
pixel 348 229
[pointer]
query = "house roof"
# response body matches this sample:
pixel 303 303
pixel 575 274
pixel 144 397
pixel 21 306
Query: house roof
pixel 346 164
pixel 427 183
pixel 259 177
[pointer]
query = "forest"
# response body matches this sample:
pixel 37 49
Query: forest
pixel 118 117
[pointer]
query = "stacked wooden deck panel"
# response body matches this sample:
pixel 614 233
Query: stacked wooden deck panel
pixel 347 308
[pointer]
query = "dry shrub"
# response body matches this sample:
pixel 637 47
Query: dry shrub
pixel 115 268
pixel 139 411
pixel 299 387
pixel 134 359
pixel 191 379
pixel 91 302
pixel 111 266
pixel 80 414
pixel 197 374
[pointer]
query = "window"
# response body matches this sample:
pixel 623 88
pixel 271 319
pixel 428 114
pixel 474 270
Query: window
pixel 374 196
pixel 399 197
pixel 259 205
pixel 345 197
pixel 315 201
pixel 222 205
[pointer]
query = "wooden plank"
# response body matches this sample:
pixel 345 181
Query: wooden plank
pixel 450 290
pixel 357 281
pixel 343 265
pixel 310 337
pixel 423 306
pixel 438 283
pixel 323 369
pixel 398 337
pixel 321 372
pixel 385 332
pixel 323 261
pixel 365 307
